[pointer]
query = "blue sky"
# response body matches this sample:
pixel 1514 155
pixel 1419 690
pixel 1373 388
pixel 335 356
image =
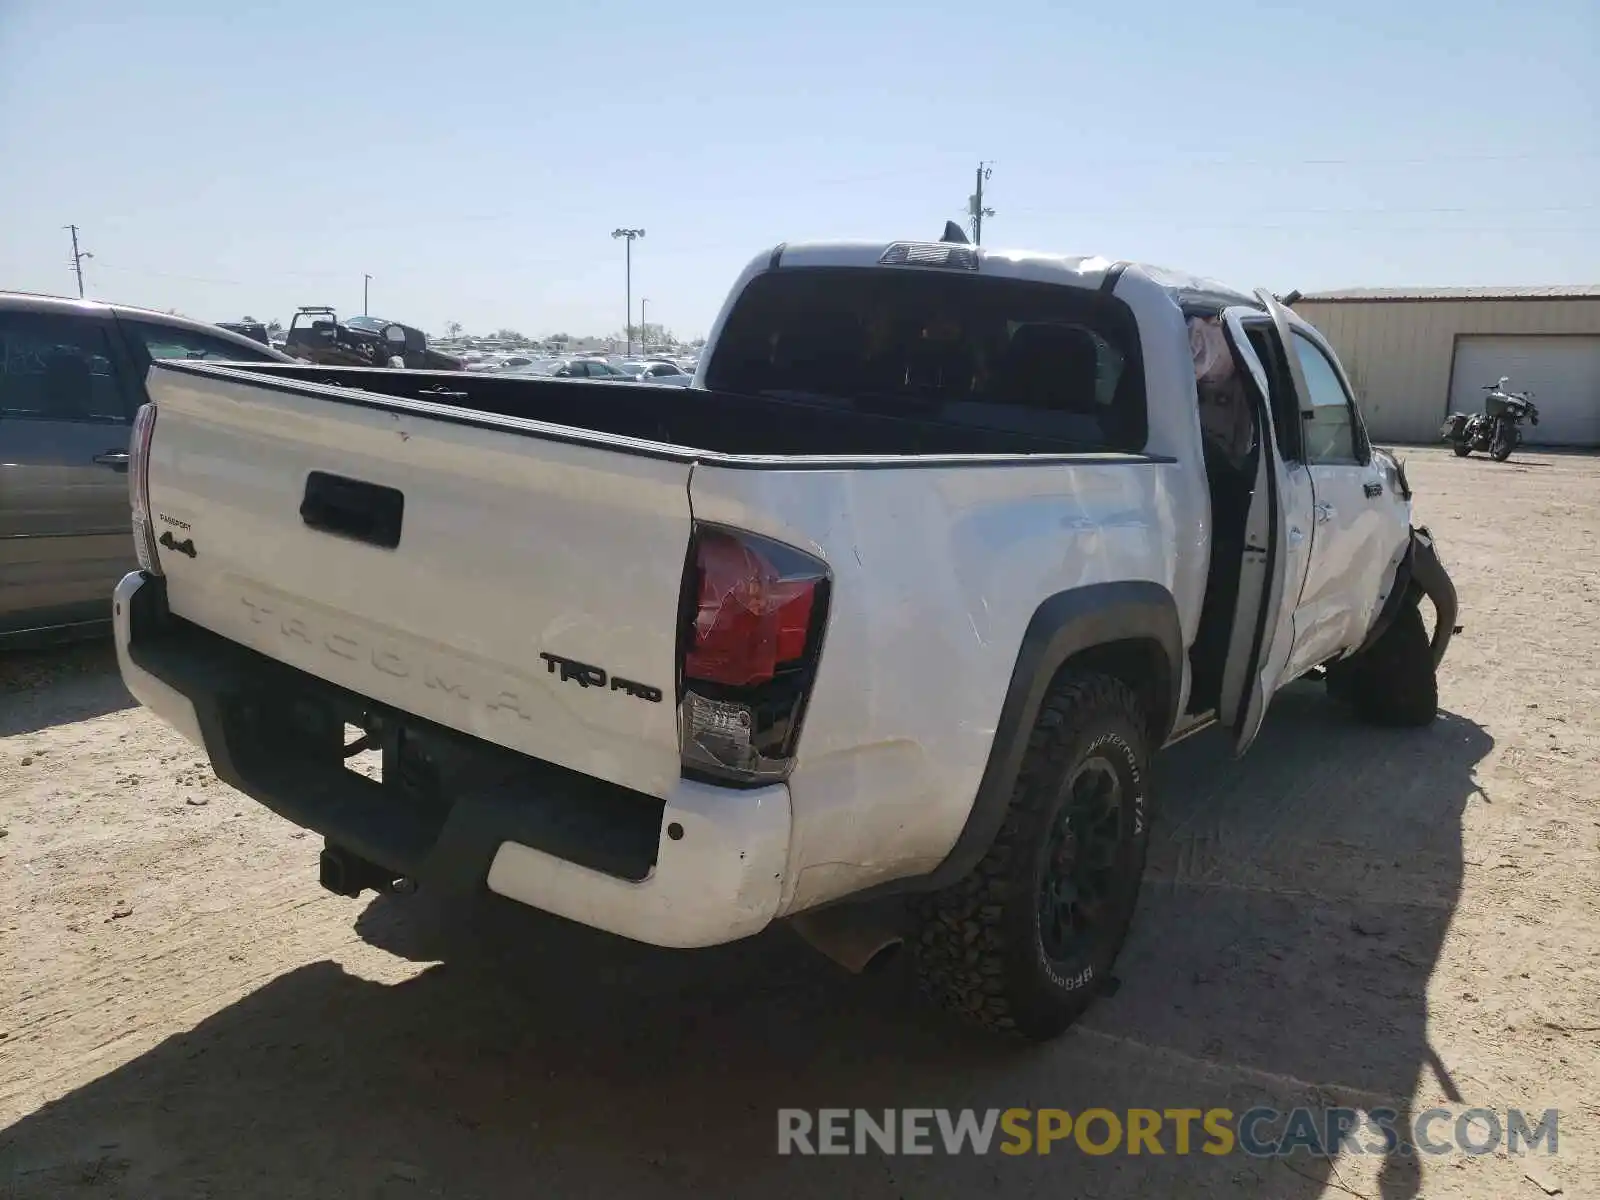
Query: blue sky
pixel 231 158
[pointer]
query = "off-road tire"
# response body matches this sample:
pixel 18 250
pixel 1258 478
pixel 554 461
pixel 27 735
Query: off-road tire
pixel 978 945
pixel 1393 681
pixel 1461 449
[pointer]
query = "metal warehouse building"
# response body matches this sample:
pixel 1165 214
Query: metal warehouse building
pixel 1415 354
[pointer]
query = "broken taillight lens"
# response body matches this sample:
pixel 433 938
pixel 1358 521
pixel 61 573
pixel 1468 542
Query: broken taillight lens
pixel 751 614
pixel 751 646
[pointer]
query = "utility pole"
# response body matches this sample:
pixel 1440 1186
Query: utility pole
pixel 365 281
pixel 77 258
pixel 643 302
pixel 975 209
pixel 627 324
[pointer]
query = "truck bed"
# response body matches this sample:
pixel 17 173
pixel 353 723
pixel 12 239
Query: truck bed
pixel 693 419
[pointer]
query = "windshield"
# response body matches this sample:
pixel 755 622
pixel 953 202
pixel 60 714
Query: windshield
pixel 951 346
pixel 368 324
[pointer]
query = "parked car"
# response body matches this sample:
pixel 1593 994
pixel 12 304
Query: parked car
pixel 876 631
pixel 72 374
pixel 590 368
pixel 662 371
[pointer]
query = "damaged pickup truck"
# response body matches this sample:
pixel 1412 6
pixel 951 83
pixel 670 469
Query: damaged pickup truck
pixel 888 612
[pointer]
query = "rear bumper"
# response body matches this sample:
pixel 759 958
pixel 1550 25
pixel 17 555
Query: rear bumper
pixel 702 865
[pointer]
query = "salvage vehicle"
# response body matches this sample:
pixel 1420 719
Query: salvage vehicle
pixel 316 335
pixel 874 629
pixel 1497 430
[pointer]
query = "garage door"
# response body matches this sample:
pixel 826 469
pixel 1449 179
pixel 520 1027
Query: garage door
pixel 1563 373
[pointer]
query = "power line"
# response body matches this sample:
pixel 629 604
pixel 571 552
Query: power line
pixel 1361 210
pixel 112 267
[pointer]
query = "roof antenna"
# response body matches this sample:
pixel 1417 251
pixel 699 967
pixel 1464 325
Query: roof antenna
pixel 954 233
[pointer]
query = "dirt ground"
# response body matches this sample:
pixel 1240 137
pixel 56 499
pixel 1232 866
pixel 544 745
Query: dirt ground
pixel 1347 916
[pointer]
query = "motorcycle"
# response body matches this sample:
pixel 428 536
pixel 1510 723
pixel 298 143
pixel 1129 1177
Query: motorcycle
pixel 1497 429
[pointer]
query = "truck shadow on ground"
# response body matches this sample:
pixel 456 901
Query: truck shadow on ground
pixel 1295 908
pixel 54 685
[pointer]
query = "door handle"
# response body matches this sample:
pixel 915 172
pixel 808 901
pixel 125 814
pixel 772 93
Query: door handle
pixel 1372 489
pixel 116 459
pixel 352 508
pixel 1324 513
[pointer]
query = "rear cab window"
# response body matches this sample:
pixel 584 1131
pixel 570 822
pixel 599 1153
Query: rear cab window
pixel 953 347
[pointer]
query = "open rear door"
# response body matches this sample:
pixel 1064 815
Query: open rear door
pixel 1263 619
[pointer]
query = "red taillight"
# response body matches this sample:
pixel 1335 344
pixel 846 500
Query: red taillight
pixel 751 617
pixel 144 531
pixel 750 654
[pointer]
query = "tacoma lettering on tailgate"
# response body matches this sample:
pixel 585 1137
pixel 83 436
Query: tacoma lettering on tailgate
pixel 488 688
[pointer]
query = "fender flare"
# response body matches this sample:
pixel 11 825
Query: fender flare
pixel 1064 625
pixel 1419 573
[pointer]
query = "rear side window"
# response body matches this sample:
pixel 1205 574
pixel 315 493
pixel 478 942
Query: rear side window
pixel 949 346
pixel 161 341
pixel 58 368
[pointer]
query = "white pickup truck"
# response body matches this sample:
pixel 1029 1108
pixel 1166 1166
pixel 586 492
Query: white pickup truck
pixel 888 611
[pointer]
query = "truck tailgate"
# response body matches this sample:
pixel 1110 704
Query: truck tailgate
pixel 516 586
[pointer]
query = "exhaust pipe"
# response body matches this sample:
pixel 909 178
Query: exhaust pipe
pixel 859 937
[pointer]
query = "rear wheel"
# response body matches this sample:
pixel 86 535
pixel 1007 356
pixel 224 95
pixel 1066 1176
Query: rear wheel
pixel 1393 681
pixel 1027 940
pixel 1461 449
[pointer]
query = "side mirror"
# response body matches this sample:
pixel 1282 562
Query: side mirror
pixel 395 335
pixel 1501 386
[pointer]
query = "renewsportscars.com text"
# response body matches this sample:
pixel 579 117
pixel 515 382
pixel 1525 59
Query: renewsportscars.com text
pixel 1257 1132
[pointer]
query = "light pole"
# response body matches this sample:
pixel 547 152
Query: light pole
pixel 628 235
pixel 643 348
pixel 365 280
